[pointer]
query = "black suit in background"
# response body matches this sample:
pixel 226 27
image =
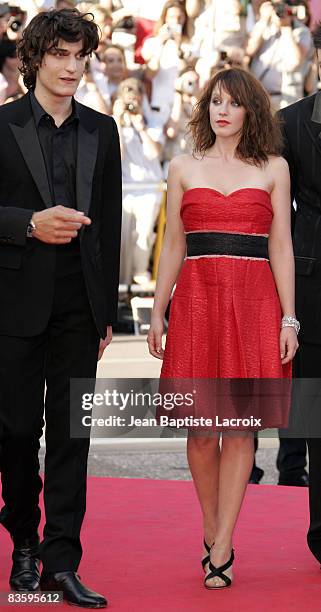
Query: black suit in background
pixel 55 304
pixel 302 132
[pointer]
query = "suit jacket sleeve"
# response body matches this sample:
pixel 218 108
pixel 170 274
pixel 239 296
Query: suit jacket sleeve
pixel 288 155
pixel 111 223
pixel 13 225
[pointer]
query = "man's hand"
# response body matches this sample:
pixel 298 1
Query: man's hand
pixel 105 342
pixel 58 225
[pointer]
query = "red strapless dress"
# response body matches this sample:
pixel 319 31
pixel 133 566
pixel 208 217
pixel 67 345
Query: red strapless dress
pixel 225 313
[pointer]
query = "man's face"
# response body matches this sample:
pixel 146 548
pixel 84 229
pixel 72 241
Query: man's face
pixel 61 69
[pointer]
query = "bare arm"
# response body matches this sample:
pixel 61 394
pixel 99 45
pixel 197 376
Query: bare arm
pixel 152 149
pixel 257 35
pixel 151 55
pixel 193 8
pixel 171 127
pixel 294 52
pixel 171 259
pixel 281 252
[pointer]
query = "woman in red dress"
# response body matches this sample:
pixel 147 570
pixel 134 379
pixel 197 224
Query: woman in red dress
pixel 228 248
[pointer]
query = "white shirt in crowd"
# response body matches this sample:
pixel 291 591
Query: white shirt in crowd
pixel 271 64
pixel 217 26
pixel 163 84
pixel 137 166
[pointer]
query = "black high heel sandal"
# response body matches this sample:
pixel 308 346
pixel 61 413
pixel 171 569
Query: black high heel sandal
pixel 218 572
pixel 207 558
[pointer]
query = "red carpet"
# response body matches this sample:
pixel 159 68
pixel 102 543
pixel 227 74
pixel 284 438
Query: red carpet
pixel 142 542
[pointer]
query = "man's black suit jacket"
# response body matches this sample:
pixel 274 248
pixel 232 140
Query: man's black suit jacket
pixel 302 135
pixel 27 264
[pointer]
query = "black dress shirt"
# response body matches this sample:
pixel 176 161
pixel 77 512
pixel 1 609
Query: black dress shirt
pixel 59 148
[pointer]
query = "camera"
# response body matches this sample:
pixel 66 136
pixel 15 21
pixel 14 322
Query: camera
pixel 132 107
pixel 187 83
pixel 174 28
pixel 290 9
pixel 126 23
pixel 17 18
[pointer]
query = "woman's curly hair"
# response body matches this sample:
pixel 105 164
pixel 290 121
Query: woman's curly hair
pixel 44 32
pixel 261 133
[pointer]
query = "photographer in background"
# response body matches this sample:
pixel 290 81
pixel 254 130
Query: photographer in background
pixel 281 50
pixel 165 55
pixel 88 93
pixel 141 141
pixel 109 73
pixel 186 93
pixel 12 20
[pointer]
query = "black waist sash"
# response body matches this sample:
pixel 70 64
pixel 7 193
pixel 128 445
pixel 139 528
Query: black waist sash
pixel 219 243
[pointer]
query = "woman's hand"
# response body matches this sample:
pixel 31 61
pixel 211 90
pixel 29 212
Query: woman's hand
pixel 164 33
pixel 118 109
pixel 288 344
pixel 154 338
pixel 104 342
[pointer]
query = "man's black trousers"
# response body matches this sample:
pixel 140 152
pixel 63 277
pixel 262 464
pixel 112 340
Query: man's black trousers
pixel 67 348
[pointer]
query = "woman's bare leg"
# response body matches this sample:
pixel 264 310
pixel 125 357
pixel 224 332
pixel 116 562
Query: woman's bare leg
pixel 203 454
pixel 236 462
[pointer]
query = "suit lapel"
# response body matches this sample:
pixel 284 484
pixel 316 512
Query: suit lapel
pixel 313 125
pixel 25 134
pixel 28 142
pixel 87 149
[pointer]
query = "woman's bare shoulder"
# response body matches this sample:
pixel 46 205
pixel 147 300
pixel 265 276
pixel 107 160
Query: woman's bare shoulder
pixel 180 161
pixel 277 163
pixel 181 165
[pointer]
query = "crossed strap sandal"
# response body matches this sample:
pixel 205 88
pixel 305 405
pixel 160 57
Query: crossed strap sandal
pixel 206 559
pixel 219 573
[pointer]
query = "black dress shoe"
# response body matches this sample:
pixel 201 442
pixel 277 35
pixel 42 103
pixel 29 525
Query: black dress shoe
pixel 25 574
pixel 299 481
pixel 74 592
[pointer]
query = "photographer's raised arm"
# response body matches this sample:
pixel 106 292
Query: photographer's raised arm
pixel 294 51
pixel 151 53
pixel 256 37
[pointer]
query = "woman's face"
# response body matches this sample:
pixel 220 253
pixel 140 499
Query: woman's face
pixel 114 63
pixel 226 115
pixel 175 16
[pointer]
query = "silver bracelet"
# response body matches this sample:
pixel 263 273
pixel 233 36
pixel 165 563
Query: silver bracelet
pixel 290 322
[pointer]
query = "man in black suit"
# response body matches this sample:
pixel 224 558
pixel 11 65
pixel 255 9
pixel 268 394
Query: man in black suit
pixel 60 220
pixel 302 134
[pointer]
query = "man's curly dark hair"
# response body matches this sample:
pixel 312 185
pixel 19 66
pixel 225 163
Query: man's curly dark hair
pixel 44 32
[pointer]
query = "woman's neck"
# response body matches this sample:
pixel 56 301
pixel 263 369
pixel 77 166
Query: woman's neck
pixel 224 148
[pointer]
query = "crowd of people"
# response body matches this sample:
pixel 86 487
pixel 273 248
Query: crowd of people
pixel 151 64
